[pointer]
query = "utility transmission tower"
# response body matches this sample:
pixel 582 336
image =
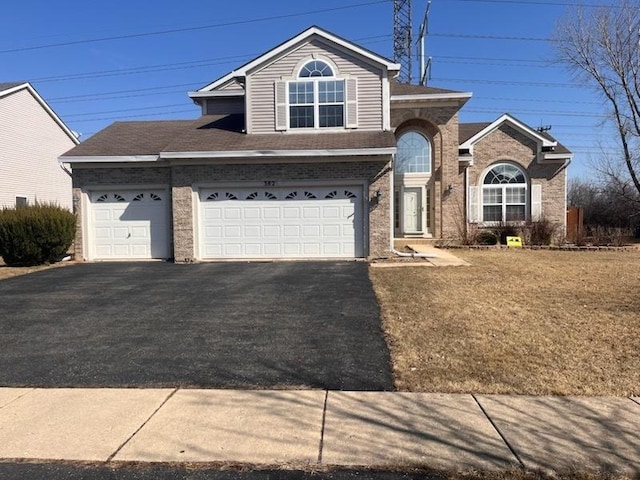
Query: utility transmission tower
pixel 403 39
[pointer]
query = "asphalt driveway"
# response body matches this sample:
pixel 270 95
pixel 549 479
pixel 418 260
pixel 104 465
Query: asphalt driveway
pixel 227 325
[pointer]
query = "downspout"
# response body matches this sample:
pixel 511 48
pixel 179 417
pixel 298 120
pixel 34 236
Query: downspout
pixel 63 167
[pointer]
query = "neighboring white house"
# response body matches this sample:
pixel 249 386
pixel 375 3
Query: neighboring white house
pixel 32 137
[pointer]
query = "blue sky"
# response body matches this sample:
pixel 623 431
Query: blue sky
pixel 495 49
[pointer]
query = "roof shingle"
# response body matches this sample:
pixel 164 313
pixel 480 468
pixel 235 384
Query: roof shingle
pixel 212 133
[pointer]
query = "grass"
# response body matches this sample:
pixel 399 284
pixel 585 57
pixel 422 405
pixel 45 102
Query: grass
pixel 516 322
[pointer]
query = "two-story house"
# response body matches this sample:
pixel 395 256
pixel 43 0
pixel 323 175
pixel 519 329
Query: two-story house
pixel 32 137
pixel 311 150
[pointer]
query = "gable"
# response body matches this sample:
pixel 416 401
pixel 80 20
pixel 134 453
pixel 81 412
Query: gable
pixel 292 43
pixel 261 83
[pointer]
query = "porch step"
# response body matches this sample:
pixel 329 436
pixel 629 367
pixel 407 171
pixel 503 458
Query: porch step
pixel 400 243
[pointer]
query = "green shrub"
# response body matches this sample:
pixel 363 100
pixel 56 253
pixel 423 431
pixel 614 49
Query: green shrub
pixel 35 234
pixel 486 237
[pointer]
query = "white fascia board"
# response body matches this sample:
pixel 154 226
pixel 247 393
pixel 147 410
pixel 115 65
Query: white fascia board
pixel 468 159
pixel 558 156
pixel 506 118
pixel 432 96
pixel 281 153
pixel 110 159
pixel 216 93
pixel 13 89
pixel 72 135
pixel 242 71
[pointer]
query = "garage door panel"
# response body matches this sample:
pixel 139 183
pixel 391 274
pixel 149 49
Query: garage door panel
pixel 331 231
pixel 232 231
pixel 129 224
pixel 252 231
pixel 310 222
pixel 213 232
pixel 271 213
pixel 232 213
pixel 311 212
pixel 291 212
pixel 311 231
pixel 291 231
pixel 272 231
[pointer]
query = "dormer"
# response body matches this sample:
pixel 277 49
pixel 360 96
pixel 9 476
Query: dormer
pixel 313 83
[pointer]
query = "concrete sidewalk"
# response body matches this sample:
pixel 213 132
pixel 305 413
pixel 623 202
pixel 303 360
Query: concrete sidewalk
pixel 307 428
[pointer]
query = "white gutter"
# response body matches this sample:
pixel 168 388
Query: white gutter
pixel 280 153
pixel 112 159
pixel 216 94
pixel 432 96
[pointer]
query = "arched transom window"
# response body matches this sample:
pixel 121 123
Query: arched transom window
pixel 504 194
pixel 316 98
pixel 414 153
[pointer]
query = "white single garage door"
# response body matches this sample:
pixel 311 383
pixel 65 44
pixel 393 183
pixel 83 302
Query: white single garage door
pixel 293 222
pixel 129 224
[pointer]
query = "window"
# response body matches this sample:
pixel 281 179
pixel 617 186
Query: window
pixel 504 194
pixel 414 154
pixel 21 202
pixel 316 99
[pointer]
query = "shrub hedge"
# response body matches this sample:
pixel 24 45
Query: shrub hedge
pixel 35 234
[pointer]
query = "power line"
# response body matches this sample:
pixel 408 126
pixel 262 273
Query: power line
pixel 510 82
pixel 537 100
pixel 165 66
pixel 489 37
pixel 191 29
pixel 125 91
pixel 532 2
pixel 123 110
pixel 553 113
pixel 135 116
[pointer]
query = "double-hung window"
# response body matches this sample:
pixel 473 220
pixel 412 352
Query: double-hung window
pixel 504 194
pixel 316 98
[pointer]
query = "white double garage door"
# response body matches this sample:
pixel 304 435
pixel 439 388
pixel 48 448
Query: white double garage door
pixel 242 223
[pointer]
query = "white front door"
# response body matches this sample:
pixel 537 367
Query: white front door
pixel 412 208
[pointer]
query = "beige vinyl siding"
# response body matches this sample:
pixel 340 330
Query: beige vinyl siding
pixel 224 105
pixel 260 85
pixel 30 143
pixel 231 86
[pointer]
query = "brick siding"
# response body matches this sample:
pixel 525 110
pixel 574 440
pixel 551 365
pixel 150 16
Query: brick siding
pixel 507 144
pixel 182 179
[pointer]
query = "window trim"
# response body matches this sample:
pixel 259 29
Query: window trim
pixel 315 81
pixel 503 187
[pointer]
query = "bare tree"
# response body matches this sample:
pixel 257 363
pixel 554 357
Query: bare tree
pixel 601 45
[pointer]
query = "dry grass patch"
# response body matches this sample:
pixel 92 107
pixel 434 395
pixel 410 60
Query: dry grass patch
pixel 516 321
pixel 8 272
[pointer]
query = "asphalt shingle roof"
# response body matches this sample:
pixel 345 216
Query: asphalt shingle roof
pixel 211 133
pixel 407 89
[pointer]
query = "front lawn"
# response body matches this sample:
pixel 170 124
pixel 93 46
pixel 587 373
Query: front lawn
pixel 516 321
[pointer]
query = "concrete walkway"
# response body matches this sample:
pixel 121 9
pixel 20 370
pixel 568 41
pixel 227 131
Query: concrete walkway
pixel 307 428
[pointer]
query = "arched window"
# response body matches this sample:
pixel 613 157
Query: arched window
pixel 316 68
pixel 504 194
pixel 414 153
pixel 316 99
